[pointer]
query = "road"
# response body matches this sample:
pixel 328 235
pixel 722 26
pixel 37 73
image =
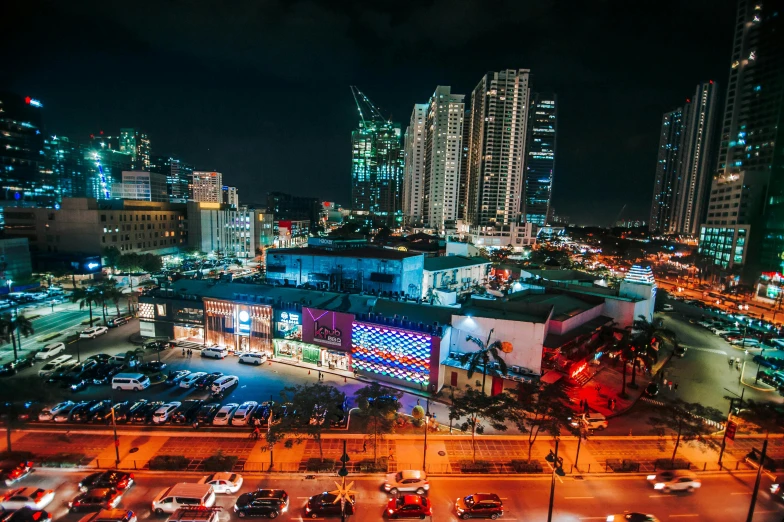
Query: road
pixel 722 496
pixel 62 318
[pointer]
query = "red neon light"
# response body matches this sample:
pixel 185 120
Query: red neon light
pixel 579 370
pixel 28 100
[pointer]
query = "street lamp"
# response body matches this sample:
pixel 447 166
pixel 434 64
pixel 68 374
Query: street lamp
pixel 427 428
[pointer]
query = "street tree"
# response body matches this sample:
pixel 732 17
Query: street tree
pixel 685 422
pixel 539 409
pixel 378 408
pixel 85 298
pixel 314 406
pixel 479 360
pixel 647 338
pixel 111 293
pixel 11 326
pixel 110 256
pixel 474 408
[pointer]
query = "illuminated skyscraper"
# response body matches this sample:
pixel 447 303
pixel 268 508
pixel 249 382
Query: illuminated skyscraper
pixel 665 183
pixel 137 144
pixel 414 165
pixel 540 158
pixel 499 117
pixel 179 175
pixel 377 164
pixel 207 187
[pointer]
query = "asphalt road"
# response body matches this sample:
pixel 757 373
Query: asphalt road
pixel 65 317
pixel 722 497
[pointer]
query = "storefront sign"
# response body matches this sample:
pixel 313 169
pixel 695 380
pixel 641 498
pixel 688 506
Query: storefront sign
pixel 326 328
pixel 288 325
pixel 244 322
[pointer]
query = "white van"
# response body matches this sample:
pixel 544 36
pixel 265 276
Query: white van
pixel 49 351
pixel 255 358
pixel 183 495
pixel 54 365
pixel 215 352
pixel 130 381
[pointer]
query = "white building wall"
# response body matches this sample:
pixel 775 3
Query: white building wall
pixel 414 165
pixel 562 327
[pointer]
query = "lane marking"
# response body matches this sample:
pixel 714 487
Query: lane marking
pixel 576 498
pixel 740 493
pixel 685 515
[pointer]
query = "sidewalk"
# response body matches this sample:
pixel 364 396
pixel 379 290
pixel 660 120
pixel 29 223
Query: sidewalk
pixel 445 453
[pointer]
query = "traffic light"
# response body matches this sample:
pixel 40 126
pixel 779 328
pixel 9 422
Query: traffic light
pixel 559 467
pixel 550 457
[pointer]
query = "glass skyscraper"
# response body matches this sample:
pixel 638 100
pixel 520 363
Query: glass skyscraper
pixel 665 184
pixel 540 158
pixel 377 170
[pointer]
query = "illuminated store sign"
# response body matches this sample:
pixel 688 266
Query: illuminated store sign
pixel 395 353
pixel 327 328
pixel 244 321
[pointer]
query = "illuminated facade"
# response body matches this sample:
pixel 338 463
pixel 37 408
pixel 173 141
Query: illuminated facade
pixel 540 158
pixel 141 185
pixel 137 144
pixel 240 232
pixel 238 326
pixel 414 165
pixel 665 183
pixel 179 175
pixel 207 187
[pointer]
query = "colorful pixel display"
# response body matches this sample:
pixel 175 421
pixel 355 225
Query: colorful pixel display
pixel 395 353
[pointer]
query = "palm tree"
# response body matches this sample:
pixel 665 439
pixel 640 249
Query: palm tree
pixel 646 339
pixel 627 353
pixel 85 298
pixel 11 326
pixel 479 359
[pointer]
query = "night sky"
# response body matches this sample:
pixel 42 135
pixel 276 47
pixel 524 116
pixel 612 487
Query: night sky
pixel 259 90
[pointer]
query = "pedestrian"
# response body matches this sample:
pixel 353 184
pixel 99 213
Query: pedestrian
pixel 256 433
pixel 669 384
pixel 417 402
pixel 364 446
pixel 183 351
pixel 190 353
pixel 196 424
pixel 675 386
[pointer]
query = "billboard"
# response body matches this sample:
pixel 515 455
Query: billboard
pixel 327 328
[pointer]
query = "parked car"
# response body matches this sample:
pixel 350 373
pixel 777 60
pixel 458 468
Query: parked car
pixel 190 380
pixel 223 416
pixel 174 378
pixel 144 414
pixel 409 506
pixel 215 352
pixel 410 480
pixel 632 517
pixel 92 333
pixel 163 413
pixel 748 342
pixel 224 482
pixel 206 380
pixel 255 359
pixel 104 415
pixel 13 367
pixel 118 321
pixel 50 350
pixel 324 505
pixel 222 384
pixel 187 412
pixel 74 383
pixel 207 412
pixel 151 367
pixel 126 414
pixel 118 480
pixel 244 413
pixel 479 505
pixel 33 498
pixel 13 473
pixel 87 414
pixel 25 515
pixel 48 414
pixel 95 500
pixel 262 503
pixel 64 415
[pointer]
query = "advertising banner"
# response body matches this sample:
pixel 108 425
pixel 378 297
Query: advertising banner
pixel 327 328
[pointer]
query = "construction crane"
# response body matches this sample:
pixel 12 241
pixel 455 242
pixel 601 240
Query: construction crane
pixel 374 114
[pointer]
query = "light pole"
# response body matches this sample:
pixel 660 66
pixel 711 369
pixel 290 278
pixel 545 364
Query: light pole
pixel 427 428
pixel 116 439
pixel 729 416
pixel 557 464
pixel 299 281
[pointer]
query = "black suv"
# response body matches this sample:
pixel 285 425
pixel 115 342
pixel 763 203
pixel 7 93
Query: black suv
pixel 207 412
pixel 205 382
pixel 187 412
pixel 107 479
pixel 262 503
pixel 324 505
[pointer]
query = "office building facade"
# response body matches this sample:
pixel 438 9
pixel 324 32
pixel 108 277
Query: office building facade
pixel 207 187
pixel 288 206
pixel 377 170
pixel 179 176
pixel 540 158
pixel 443 153
pixel 414 165
pixel 230 196
pixel 499 118
pixel 232 231
pixel 137 144
pixel 141 185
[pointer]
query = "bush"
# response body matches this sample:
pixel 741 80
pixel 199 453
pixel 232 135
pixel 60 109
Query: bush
pixel 220 462
pixel 17 455
pixel 469 466
pixel 623 466
pixel 367 465
pixel 669 464
pixel 526 466
pixel 169 463
pixel 418 414
pixel 62 460
pixel 320 465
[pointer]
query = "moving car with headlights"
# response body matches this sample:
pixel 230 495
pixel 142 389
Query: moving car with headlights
pixel 253 358
pixel 632 517
pixel 409 506
pixel 25 515
pixel 262 503
pixel 224 414
pixel 111 515
pixel 92 333
pixel 48 414
pixel 479 505
pixel 50 350
pixel 183 495
pixel 95 500
pixel 677 480
pixel 33 498
pixel 591 421
pixel 324 505
pixel 14 473
pixel 223 482
pixel 409 480
pixel 118 480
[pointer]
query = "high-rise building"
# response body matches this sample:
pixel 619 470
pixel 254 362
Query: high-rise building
pixel 697 159
pixel 499 117
pixel 414 160
pixel 665 183
pixel 230 196
pixel 66 159
pixel 179 176
pixel 745 219
pixel 462 194
pixel 207 187
pixel 288 206
pixel 25 178
pixel 377 165
pixel 540 158
pixel 233 231
pixel 137 144
pixel 443 152
pixel 141 185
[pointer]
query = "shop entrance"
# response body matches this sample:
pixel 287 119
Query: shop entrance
pixel 335 360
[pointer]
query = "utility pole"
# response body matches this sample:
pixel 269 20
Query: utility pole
pixel 757 482
pixel 557 464
pixel 729 416
pixel 116 440
pixel 427 428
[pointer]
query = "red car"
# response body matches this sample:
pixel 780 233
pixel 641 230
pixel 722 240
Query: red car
pixel 13 474
pixel 409 506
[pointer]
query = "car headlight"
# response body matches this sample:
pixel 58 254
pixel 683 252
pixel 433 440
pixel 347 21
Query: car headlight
pixel 658 485
pixel 387 487
pixel 390 511
pixel 610 518
pixel 651 477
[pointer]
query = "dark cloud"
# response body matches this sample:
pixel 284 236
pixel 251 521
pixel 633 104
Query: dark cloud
pixel 259 89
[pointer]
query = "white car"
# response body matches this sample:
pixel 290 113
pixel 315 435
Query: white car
pixel 163 413
pixel 224 414
pixel 409 480
pixel 64 415
pixel 223 482
pixel 254 358
pixel 667 308
pixel 244 413
pixel 224 383
pixel 677 480
pixel 33 498
pixel 48 414
pixel 50 350
pixel 748 342
pixel 188 381
pixel 92 333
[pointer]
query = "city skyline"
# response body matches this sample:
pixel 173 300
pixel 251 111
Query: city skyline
pixel 208 125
